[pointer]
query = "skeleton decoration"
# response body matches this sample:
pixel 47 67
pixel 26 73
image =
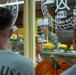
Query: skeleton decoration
pixel 14 9
pixel 61 21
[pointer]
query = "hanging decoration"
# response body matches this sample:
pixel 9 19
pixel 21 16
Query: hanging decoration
pixel 63 24
pixel 61 21
pixel 13 8
pixel 49 1
pixel 62 2
pixel 45 12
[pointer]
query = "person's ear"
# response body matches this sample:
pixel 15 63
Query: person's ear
pixel 10 33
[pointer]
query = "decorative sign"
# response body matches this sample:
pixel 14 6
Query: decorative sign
pixel 61 21
pixel 61 14
pixel 49 1
pixel 14 10
pixel 74 10
pixel 61 3
pixel 45 12
pixel 63 24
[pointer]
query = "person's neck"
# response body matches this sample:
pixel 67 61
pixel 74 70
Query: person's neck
pixel 3 46
pixel 46 33
pixel 36 54
pixel 37 58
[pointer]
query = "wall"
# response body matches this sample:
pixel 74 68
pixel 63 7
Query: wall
pixel 19 22
pixel 65 36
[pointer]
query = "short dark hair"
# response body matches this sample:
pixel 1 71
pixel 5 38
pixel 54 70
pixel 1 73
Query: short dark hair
pixel 5 18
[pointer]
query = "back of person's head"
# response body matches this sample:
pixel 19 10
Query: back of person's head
pixel 5 18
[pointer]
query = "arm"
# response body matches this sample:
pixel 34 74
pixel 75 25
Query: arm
pixel 54 39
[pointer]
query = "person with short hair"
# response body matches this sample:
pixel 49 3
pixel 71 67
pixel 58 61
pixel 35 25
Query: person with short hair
pixel 10 62
pixel 47 35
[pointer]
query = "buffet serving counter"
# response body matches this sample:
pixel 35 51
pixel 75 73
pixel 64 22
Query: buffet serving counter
pixel 67 56
pixel 16 46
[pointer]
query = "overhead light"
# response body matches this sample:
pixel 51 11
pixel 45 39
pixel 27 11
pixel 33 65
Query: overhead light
pixel 49 1
pixel 10 4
